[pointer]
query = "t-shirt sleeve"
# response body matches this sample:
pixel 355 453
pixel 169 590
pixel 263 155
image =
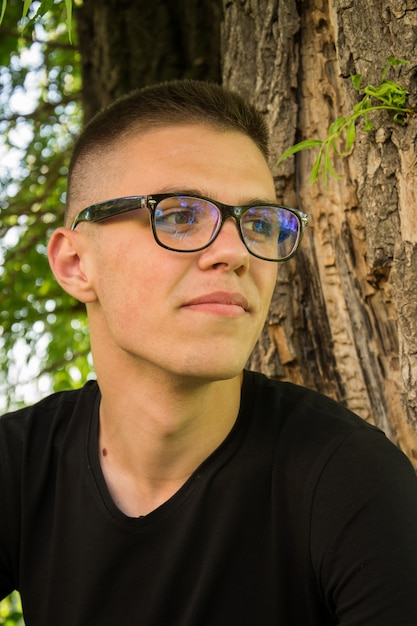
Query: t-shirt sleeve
pixel 364 533
pixel 7 532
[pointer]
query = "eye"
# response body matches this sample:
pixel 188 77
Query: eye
pixel 176 216
pixel 260 224
pixel 182 217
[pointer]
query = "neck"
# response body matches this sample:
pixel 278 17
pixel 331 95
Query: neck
pixel 155 431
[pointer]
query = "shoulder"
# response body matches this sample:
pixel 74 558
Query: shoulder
pixel 315 432
pixel 57 402
pixel 36 440
pixel 300 409
pixel 51 415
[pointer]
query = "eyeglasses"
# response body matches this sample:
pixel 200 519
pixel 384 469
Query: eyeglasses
pixel 188 223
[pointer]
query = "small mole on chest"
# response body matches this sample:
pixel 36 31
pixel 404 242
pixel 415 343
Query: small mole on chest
pixel 104 452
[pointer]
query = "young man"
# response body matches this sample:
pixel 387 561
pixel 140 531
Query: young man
pixel 180 489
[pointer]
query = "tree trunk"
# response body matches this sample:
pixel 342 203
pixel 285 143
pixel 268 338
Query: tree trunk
pixel 126 44
pixel 344 314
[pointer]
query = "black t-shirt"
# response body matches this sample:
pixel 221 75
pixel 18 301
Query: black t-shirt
pixel 304 516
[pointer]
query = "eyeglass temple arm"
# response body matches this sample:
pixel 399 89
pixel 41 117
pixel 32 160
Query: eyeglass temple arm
pixel 103 210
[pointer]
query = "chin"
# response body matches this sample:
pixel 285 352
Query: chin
pixel 210 372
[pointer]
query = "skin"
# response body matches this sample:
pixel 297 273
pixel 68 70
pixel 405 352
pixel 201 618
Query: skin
pixel 170 332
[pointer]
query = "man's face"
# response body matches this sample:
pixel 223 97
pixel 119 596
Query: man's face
pixel 194 314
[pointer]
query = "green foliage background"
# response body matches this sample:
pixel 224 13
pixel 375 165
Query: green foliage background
pixel 41 67
pixel 11 611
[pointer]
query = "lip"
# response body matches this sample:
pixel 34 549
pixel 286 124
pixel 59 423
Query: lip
pixel 221 302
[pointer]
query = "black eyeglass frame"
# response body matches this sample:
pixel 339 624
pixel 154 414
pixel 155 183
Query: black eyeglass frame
pixel 118 206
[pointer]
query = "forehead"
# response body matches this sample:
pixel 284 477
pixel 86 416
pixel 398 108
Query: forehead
pixel 214 162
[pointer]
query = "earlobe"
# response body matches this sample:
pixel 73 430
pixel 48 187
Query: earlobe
pixel 64 254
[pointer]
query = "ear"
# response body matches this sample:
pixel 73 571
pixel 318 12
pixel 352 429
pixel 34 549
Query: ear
pixel 65 258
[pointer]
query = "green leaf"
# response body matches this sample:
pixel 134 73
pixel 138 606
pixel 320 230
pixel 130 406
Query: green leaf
pixel 356 80
pixel 328 167
pixel 399 118
pixel 350 135
pixel 26 6
pixel 368 124
pixel 44 7
pixel 389 93
pixel 393 61
pixel 315 170
pixel 68 7
pixel 362 105
pixel 302 145
pixel 336 126
pixel 3 9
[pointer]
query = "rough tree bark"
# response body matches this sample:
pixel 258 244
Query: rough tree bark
pixel 126 44
pixel 344 315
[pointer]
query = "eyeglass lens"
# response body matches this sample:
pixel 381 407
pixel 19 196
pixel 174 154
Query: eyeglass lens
pixel 185 223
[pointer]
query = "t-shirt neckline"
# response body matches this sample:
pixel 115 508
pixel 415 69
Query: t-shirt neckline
pixel 218 457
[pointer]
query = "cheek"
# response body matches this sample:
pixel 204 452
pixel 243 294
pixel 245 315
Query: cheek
pixel 117 275
pixel 129 289
pixel 125 307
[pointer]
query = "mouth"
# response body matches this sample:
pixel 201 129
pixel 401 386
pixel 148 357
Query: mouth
pixel 220 303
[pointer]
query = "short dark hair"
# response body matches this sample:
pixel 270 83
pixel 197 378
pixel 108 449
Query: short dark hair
pixel 166 104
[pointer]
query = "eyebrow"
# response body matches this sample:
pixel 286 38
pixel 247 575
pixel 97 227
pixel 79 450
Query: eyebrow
pixel 203 192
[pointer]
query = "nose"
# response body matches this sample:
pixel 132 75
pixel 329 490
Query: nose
pixel 227 252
